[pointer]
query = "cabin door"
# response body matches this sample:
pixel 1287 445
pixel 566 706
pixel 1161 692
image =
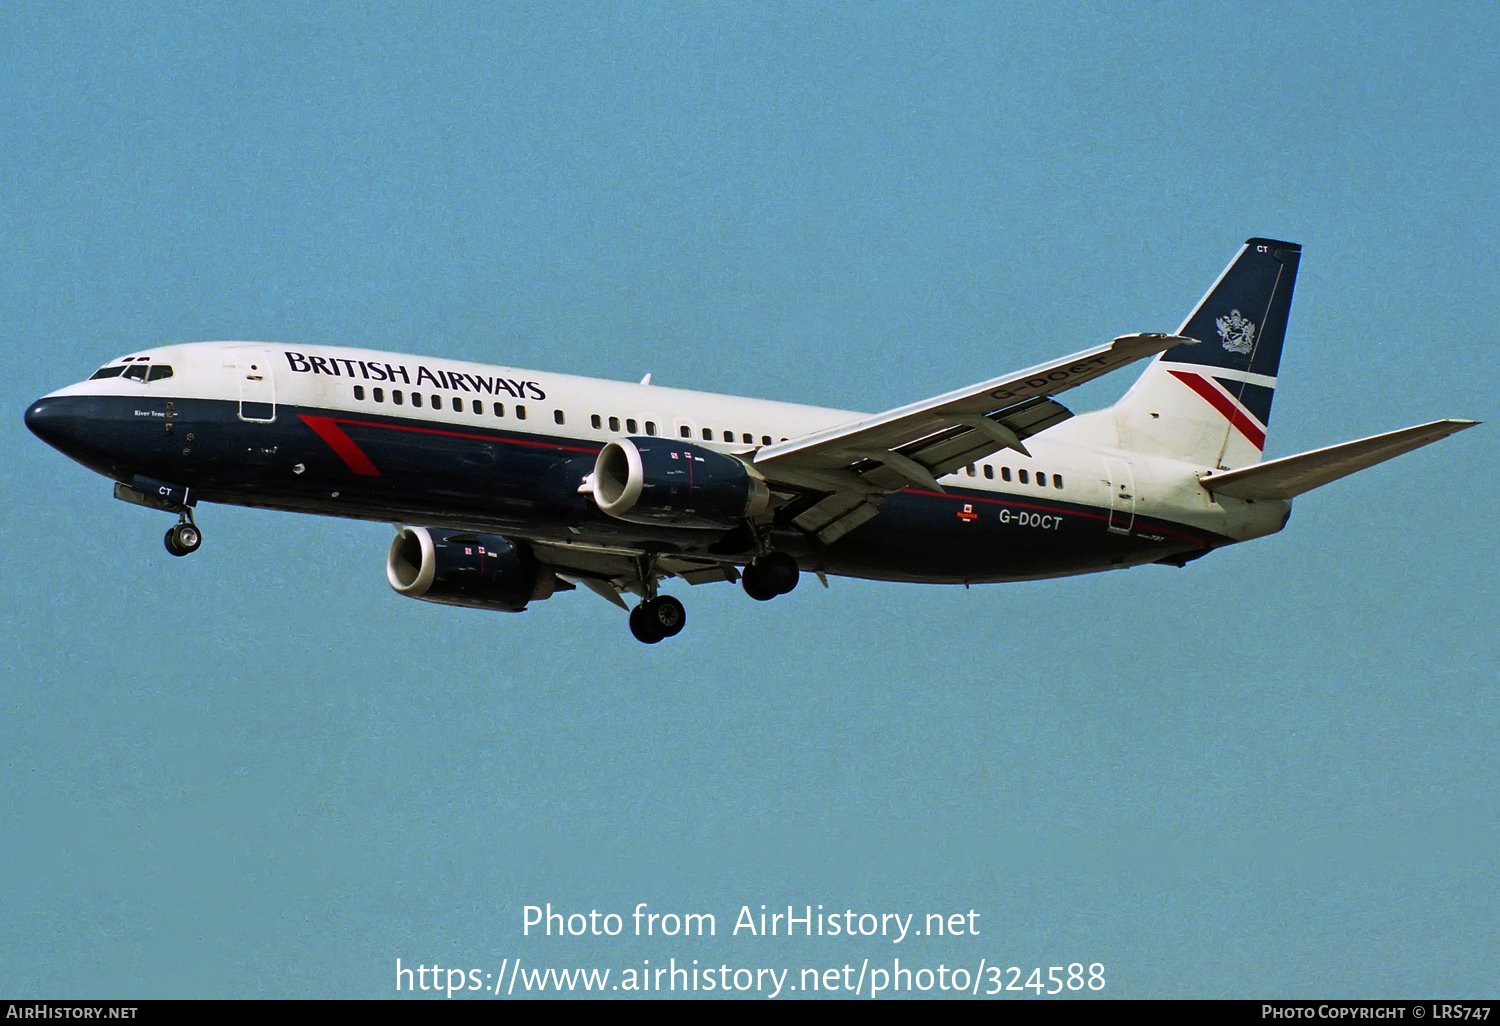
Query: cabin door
pixel 1121 495
pixel 257 385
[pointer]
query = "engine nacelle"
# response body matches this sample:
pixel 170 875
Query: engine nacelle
pixel 677 484
pixel 482 571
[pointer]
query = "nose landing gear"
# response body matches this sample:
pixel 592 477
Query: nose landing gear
pixel 184 536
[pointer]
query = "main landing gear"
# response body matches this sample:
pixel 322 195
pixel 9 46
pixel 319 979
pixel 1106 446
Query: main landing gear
pixel 773 574
pixel 662 616
pixel 184 537
pixel 657 618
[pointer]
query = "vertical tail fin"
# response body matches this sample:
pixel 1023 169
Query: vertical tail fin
pixel 1210 403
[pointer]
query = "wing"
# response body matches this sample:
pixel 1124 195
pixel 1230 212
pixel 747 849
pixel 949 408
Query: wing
pixel 1293 475
pixel 847 469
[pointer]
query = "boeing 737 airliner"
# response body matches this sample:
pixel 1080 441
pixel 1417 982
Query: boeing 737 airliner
pixel 530 483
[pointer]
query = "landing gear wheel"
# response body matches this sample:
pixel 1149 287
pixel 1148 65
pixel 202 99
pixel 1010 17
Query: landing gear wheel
pixel 755 585
pixel 658 618
pixel 641 627
pixel 773 574
pixel 183 538
pixel 667 615
pixel 779 571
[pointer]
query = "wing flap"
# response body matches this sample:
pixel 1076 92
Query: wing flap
pixel 978 437
pixel 836 515
pixel 1292 475
pixel 611 574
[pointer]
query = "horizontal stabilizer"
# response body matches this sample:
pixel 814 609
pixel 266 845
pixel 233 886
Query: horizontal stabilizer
pixel 1293 475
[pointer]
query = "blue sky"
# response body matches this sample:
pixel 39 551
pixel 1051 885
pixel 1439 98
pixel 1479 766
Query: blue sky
pixel 259 772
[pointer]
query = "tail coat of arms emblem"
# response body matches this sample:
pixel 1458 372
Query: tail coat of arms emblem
pixel 1237 332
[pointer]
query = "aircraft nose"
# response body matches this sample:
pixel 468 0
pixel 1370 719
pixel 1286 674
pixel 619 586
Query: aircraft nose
pixel 56 422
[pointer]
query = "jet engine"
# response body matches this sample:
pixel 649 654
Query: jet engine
pixel 482 571
pixel 675 484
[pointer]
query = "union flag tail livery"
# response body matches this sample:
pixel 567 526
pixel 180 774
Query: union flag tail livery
pixel 530 484
pixel 1210 403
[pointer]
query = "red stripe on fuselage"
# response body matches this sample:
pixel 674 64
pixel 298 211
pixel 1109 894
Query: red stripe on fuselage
pixel 328 429
pixel 352 455
pixel 1225 405
pixel 457 434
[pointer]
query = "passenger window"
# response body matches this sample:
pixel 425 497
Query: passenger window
pixel 520 413
pixel 478 407
pixel 396 396
pixel 416 399
pixel 359 392
pixel 708 434
pixel 729 436
pixel 1057 481
pixel 379 394
pixel 597 421
pixel 650 427
pixel 1005 473
pixel 458 404
pixel 1022 475
pixel 499 409
pixel 765 439
pixel 437 402
pixel 557 416
pixel 614 423
pixel 989 472
pixel 747 438
pixel 630 425
pixel 685 431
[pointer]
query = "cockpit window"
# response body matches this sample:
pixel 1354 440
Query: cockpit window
pixel 136 372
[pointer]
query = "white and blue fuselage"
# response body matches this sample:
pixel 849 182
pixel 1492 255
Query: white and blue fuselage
pixel 527 482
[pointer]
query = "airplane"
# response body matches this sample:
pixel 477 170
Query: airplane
pixel 529 483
